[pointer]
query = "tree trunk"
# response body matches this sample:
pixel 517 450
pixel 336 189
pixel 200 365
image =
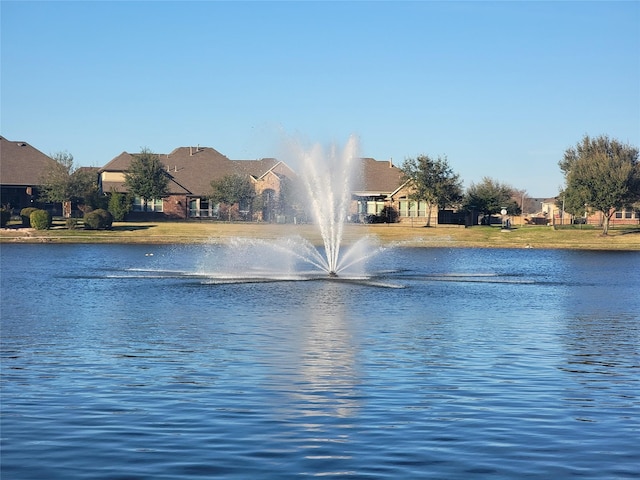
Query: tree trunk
pixel 429 207
pixel 605 221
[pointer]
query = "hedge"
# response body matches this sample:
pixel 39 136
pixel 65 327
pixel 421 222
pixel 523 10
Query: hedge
pixel 40 219
pixel 98 219
pixel 25 213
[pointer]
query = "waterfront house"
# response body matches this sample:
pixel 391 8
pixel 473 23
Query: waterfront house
pixel 380 195
pixel 191 171
pixel 22 168
pixel 373 186
pixel 551 211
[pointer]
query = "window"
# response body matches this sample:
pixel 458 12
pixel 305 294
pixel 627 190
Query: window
pixel 410 208
pixel 402 208
pixel 202 207
pixel 153 205
pixel 138 204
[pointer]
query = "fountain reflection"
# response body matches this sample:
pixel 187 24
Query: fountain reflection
pixel 318 372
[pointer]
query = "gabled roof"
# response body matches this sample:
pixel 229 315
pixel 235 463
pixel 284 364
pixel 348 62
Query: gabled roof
pixel 254 168
pixel 192 169
pixel 21 164
pixel 377 177
pixel 118 164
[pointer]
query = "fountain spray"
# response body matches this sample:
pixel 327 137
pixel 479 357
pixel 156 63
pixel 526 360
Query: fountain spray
pixel 327 178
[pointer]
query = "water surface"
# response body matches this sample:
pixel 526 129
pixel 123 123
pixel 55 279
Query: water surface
pixel 144 362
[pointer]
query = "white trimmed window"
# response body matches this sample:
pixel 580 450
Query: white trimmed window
pixel 202 207
pixel 410 208
pixel 153 205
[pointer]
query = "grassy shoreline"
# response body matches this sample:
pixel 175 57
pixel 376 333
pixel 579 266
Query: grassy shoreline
pixel 587 238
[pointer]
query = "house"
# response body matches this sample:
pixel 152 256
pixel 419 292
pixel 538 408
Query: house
pixel 373 188
pixel 553 215
pixel 191 171
pixel 22 168
pixel 415 212
pixel 380 194
pixel 626 216
pixel 381 190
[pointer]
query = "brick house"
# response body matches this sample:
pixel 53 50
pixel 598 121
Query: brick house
pixel 22 168
pixel 191 171
pixel 373 188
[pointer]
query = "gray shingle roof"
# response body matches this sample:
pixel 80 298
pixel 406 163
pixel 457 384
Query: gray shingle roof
pixel 377 177
pixel 193 169
pixel 22 164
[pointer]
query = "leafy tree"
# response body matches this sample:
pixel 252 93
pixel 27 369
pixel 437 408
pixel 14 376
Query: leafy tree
pixel 146 177
pixel 64 183
pixel 432 181
pixel 287 196
pixel 231 190
pixel 490 196
pixel 119 205
pixel 602 174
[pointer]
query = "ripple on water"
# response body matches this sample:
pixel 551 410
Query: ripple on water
pixel 171 378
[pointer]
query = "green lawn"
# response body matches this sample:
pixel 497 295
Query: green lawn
pixel 574 237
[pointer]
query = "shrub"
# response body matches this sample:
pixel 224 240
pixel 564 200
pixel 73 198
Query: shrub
pixel 119 205
pixel 5 216
pixel 98 219
pixel 40 219
pixel 72 223
pixel 107 218
pixel 25 213
pixel 92 221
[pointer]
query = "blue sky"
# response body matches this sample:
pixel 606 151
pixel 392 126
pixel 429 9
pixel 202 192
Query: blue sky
pixel 500 88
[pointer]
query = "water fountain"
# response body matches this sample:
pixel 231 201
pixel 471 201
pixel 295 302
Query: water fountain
pixel 326 177
pixel 327 180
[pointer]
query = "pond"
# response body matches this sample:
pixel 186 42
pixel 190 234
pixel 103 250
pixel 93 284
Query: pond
pixel 144 362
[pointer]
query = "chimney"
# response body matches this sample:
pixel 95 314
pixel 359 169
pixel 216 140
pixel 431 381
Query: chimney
pixel 175 169
pixel 391 162
pixel 191 151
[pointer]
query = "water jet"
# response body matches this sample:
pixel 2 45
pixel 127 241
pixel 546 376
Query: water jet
pixel 326 178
